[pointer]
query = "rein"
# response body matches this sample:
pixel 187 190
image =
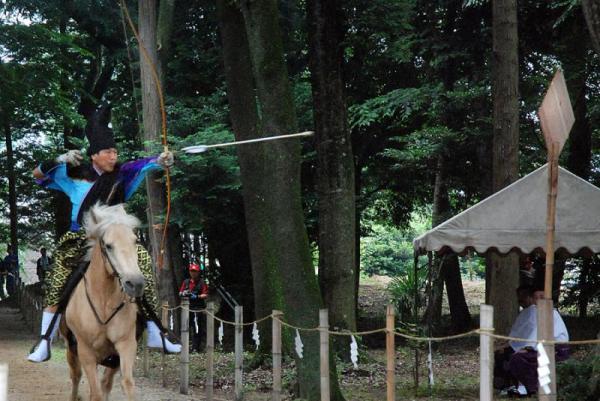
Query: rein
pixel 116 275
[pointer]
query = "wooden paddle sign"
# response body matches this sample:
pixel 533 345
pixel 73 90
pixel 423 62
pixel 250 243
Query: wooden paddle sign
pixel 556 114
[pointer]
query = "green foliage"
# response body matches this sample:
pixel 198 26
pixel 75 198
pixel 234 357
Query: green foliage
pixel 472 267
pixel 386 251
pixel 408 292
pixel 579 380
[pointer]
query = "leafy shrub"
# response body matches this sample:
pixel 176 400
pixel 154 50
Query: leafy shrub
pixel 402 289
pixel 579 380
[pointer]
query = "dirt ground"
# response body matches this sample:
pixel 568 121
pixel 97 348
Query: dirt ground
pixel 50 381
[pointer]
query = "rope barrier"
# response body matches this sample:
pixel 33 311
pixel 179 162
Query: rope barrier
pixel 397 333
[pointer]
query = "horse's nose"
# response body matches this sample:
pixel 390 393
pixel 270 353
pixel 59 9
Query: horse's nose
pixel 134 287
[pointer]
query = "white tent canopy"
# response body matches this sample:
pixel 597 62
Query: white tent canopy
pixel 515 218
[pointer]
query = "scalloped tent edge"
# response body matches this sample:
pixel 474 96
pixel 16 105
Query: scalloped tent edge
pixel 514 218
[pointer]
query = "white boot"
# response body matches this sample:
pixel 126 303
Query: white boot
pixel 155 340
pixel 41 352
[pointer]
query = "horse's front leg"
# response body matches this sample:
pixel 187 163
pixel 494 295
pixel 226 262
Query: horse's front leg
pixel 107 381
pixel 89 365
pixel 127 351
pixel 75 371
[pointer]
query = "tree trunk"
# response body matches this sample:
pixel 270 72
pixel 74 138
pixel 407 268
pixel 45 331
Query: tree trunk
pixel 165 29
pixel 591 11
pixel 504 270
pixel 357 210
pixel 283 274
pixel 446 269
pixel 12 182
pixel 584 288
pixel 459 311
pixel 152 123
pixel 575 62
pixel 337 266
pixel 441 205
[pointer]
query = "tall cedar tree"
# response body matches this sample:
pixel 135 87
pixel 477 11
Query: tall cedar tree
pixel 281 265
pixel 503 271
pixel 152 129
pixel 335 185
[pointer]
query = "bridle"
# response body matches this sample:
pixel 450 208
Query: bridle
pixel 115 274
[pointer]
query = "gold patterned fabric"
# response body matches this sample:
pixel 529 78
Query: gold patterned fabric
pixel 70 250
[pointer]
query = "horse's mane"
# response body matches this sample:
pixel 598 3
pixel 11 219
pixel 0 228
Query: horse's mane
pixel 100 217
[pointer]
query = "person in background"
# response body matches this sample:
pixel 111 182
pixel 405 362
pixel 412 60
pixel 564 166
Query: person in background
pixel 515 368
pixel 196 289
pixel 43 265
pixel 2 279
pixel 11 264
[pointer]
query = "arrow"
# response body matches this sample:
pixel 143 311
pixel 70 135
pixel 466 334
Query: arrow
pixel 204 148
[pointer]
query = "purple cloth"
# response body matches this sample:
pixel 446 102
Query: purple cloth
pixel 523 365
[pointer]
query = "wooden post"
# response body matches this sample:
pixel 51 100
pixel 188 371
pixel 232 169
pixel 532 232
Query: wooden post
pixel 545 313
pixel 184 377
pixel 3 382
pixel 276 340
pixel 210 349
pixel 145 355
pixel 486 356
pixel 163 360
pixel 390 348
pixel 545 322
pixel 324 340
pixel 32 311
pixel 551 218
pixel 239 353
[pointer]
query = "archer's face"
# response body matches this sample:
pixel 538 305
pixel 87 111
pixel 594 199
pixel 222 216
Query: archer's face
pixel 106 159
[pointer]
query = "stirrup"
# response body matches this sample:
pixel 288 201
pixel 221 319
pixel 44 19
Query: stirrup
pixel 163 338
pixel 39 343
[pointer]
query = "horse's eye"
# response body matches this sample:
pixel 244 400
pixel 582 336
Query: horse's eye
pixel 109 247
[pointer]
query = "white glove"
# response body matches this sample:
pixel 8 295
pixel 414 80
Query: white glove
pixel 165 159
pixel 72 157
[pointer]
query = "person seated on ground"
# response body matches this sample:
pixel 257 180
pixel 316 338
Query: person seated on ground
pixel 517 363
pixel 102 180
pixel 196 289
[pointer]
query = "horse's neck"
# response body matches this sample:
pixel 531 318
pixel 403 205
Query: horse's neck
pixel 100 283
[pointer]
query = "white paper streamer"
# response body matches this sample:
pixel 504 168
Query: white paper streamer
pixel 543 370
pixel 354 352
pixel 196 322
pixel 430 366
pixel 255 335
pixel 221 334
pixel 3 381
pixel 298 344
pixel 171 324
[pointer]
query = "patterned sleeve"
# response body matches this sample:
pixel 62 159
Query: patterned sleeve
pixel 132 173
pixel 56 178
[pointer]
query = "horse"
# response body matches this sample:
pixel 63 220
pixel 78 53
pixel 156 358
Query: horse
pixel 101 313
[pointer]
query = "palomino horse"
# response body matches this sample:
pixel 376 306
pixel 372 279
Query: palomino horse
pixel 101 313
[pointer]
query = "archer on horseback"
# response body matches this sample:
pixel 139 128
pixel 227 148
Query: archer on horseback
pixel 103 180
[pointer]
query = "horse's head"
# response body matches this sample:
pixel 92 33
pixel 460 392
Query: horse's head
pixel 113 230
